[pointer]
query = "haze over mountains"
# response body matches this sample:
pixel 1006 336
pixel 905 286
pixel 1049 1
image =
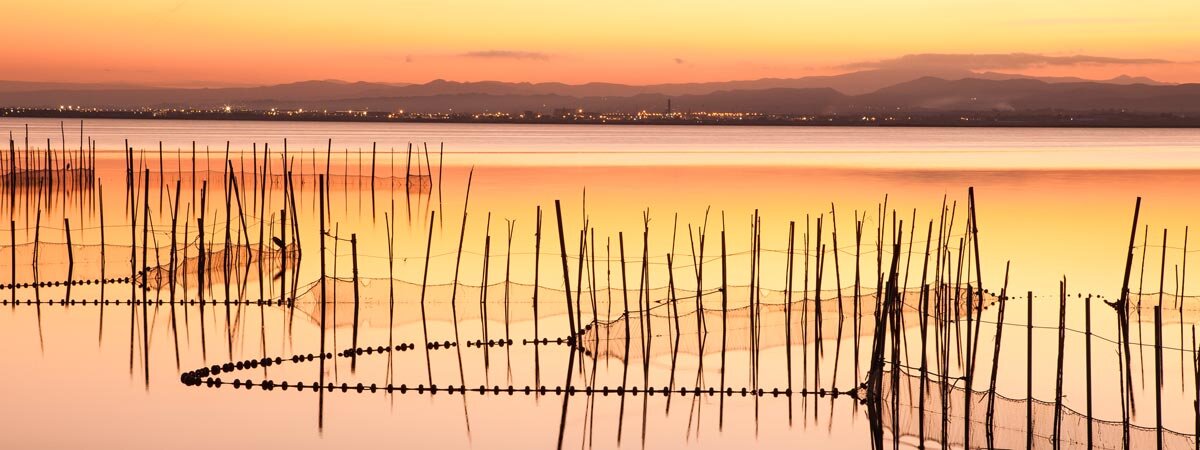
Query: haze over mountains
pixel 863 91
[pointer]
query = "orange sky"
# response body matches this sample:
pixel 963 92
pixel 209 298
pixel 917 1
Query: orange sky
pixel 181 42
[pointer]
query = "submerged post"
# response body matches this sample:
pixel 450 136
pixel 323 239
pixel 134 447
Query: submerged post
pixel 12 231
pixel 562 245
pixel 1158 375
pixel 283 255
pixel 1029 370
pixel 1123 321
pixel 70 259
pixel 1087 332
pixel 324 300
pixel 200 259
pixel 354 271
pixel 1058 386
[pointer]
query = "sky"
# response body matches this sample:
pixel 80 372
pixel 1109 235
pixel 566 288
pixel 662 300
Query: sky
pixel 223 42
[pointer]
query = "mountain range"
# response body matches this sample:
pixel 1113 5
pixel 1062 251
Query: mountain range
pixel 855 92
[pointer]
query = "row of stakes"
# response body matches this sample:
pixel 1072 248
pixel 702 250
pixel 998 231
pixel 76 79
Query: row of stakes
pixel 159 302
pixel 42 284
pixel 210 377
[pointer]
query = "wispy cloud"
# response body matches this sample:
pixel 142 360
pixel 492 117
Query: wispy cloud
pixel 179 4
pixel 990 61
pixel 506 54
pixel 679 61
pixel 1075 21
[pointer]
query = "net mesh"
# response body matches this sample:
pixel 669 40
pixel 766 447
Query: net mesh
pixel 1009 419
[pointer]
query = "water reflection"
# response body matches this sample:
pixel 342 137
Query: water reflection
pixel 901 347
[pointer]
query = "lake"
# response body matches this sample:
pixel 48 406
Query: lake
pixel 418 218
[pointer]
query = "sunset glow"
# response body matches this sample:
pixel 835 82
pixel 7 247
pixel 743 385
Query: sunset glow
pixel 220 43
pixel 654 224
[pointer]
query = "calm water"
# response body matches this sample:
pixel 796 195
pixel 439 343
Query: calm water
pixel 586 145
pixel 1051 203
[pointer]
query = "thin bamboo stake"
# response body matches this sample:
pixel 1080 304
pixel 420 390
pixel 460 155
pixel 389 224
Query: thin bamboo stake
pixel 562 245
pixel 1057 437
pixel 70 259
pixel 1087 326
pixel 1029 370
pixel 324 300
pixel 354 271
pixel 424 284
pixel 537 264
pixel 1158 375
pixel 991 405
pixel 724 319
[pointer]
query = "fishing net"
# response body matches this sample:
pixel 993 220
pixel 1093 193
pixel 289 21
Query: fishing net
pixel 67 178
pixel 1008 430
pixel 52 261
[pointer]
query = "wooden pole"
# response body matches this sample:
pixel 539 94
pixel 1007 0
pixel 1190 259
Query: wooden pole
pixel 1196 388
pixel 483 292
pixel 972 341
pixel 161 178
pixel 328 158
pixel 804 308
pixel 70 259
pixel 133 270
pixel 372 180
pixel 1158 338
pixel 174 238
pixel 354 271
pixel 1123 318
pixel 537 264
pixel 923 307
pixel 698 263
pixel 145 275
pixel 1087 332
pixel 1181 296
pixel 441 157
pixel 562 245
pixel 991 406
pixel 260 203
pixel 202 251
pixel 856 308
pixel 1029 370
pixel 1158 375
pixel 424 284
pixel 12 167
pixel 12 232
pixel 324 291
pixel 818 350
pixel 508 280
pixel 837 276
pixel 37 241
pixel 291 189
pixel 724 318
pixel 1058 387
pixel 103 281
pixel 670 284
pixel 283 256
pixel 787 327
pixel 752 300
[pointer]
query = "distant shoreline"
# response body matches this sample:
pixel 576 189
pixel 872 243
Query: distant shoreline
pixel 940 119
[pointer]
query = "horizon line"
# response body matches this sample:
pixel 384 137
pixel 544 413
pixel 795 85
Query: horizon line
pixel 196 85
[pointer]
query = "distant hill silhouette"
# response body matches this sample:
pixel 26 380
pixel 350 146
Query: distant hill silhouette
pixel 935 94
pixel 863 91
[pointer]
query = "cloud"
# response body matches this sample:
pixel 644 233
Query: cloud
pixel 679 61
pixel 1074 21
pixel 506 54
pixel 991 61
